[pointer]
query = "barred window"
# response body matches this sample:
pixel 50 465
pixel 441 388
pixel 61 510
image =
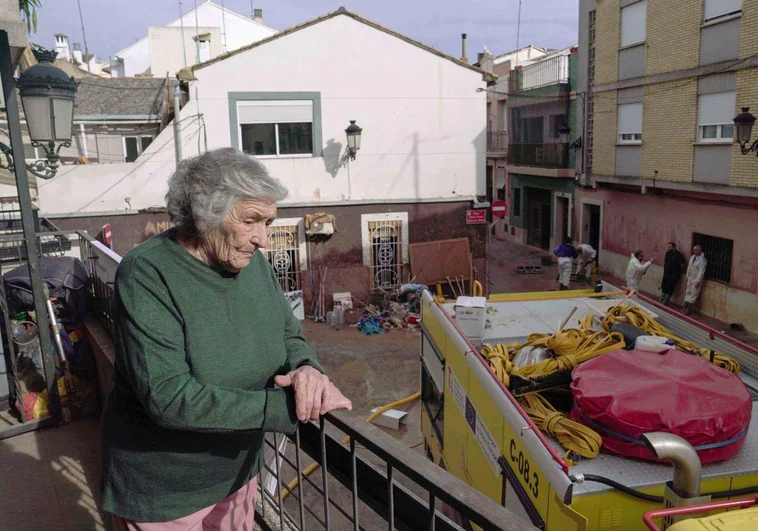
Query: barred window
pixel 718 252
pixel 385 247
pixel 283 252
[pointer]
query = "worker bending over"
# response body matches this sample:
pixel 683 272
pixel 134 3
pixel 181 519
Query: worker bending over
pixel 587 256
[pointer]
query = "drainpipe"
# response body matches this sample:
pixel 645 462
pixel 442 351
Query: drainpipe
pixel 85 151
pixel 177 128
pixel 687 468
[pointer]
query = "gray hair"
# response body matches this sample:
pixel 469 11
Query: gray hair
pixel 203 189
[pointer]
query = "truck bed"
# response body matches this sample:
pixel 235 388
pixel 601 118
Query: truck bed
pixel 511 321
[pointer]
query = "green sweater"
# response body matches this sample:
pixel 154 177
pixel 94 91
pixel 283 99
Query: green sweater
pixel 197 350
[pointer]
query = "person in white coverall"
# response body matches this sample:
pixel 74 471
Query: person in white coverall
pixel 565 254
pixel 636 270
pixel 586 256
pixel 695 275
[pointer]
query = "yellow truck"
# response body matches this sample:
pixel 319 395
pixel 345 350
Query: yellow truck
pixel 476 428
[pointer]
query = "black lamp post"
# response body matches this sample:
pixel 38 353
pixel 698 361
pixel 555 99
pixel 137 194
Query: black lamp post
pixel 48 99
pixel 743 123
pixel 353 133
pixel 47 95
pixel 565 131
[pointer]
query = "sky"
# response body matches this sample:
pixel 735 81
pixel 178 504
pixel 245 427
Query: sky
pixel 112 25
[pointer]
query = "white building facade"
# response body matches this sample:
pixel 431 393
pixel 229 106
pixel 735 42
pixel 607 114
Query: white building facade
pixel 420 167
pixel 197 36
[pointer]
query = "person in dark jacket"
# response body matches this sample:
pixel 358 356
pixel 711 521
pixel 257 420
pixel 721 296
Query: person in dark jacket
pixel 565 254
pixel 673 267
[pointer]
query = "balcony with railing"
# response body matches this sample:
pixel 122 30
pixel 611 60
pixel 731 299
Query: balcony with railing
pixel 497 143
pixel 543 155
pixel 551 71
pixel 340 472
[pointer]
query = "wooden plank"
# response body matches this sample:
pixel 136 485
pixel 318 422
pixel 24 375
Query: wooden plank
pixel 433 262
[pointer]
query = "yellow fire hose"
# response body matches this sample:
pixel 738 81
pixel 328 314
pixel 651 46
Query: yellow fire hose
pixel 573 436
pixel 315 466
pixel 572 347
pixel 638 318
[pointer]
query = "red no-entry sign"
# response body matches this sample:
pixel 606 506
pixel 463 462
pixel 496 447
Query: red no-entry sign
pixel 499 209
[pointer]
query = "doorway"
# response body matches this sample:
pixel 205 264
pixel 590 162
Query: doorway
pixel 591 226
pixel 562 219
pixel 539 217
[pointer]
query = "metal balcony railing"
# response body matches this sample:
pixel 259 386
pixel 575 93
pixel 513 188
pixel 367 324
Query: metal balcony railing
pixel 554 155
pixel 102 263
pixel 50 240
pixel 540 74
pixel 367 480
pixel 497 142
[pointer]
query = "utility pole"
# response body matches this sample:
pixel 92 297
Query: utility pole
pixel 518 30
pixel 177 128
pixel 181 19
pixel 84 33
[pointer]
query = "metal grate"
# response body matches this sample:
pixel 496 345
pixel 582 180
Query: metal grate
pixel 718 252
pixel 50 240
pixel 283 252
pixel 385 238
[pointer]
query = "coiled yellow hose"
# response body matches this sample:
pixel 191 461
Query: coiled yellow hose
pixel 572 347
pixel 638 318
pixel 573 436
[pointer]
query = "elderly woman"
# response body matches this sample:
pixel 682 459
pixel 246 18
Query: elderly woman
pixel 209 356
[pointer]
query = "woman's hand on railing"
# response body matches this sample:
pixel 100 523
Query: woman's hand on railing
pixel 315 394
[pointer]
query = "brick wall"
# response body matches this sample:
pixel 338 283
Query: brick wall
pixel 669 128
pixel 604 149
pixel 745 167
pixel 607 38
pixel 749 30
pixel 673 35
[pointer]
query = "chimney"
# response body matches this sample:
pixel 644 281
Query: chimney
pixel 61 46
pixel 258 15
pixel 78 53
pixel 463 48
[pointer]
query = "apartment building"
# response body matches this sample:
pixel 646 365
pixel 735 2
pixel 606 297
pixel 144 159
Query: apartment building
pixel 663 82
pixel 541 106
pixel 497 120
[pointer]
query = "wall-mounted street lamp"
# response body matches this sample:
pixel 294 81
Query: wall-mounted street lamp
pixel 565 131
pixel 353 133
pixel 47 95
pixel 743 123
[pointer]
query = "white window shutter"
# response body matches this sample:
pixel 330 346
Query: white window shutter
pixel 719 8
pixel 717 109
pixel 271 112
pixel 633 23
pixel 630 118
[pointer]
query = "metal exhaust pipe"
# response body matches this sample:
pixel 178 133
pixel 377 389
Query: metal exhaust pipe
pixel 687 467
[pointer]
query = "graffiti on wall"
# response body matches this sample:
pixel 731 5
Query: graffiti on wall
pixel 153 228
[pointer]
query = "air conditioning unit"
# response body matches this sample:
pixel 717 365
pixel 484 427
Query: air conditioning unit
pixel 319 228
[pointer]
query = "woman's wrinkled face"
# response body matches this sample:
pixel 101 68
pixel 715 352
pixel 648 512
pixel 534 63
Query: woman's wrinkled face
pixel 243 232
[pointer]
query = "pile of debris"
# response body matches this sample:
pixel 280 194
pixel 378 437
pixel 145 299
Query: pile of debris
pixel 395 309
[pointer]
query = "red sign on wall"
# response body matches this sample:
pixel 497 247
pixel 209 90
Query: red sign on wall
pixel 499 208
pixel 476 217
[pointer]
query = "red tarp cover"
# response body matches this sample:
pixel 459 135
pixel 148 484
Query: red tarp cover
pixel 624 394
